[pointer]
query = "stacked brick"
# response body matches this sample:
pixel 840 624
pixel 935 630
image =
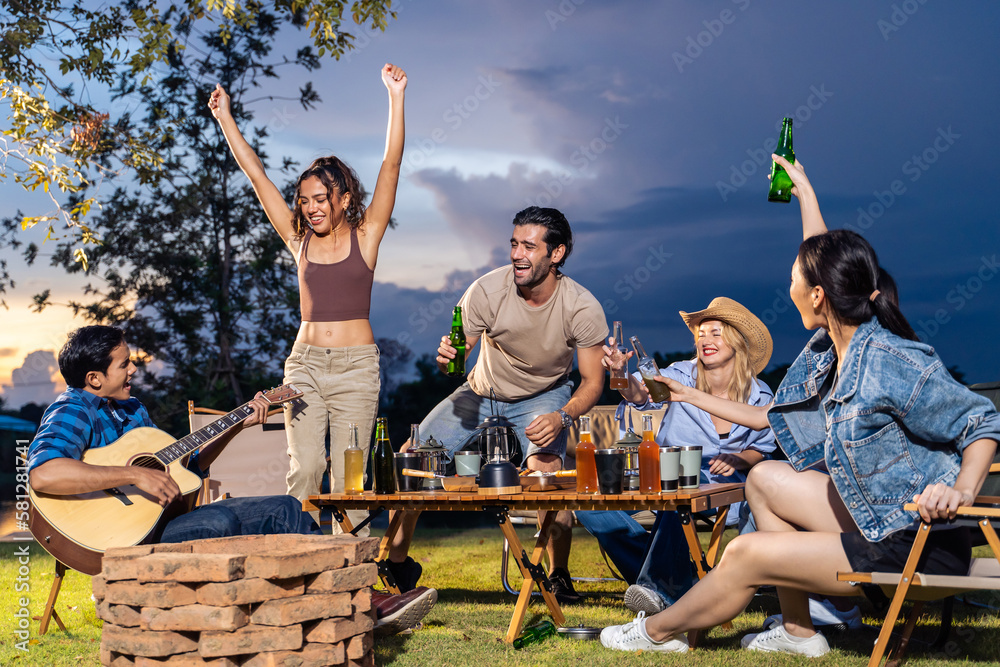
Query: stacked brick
pixel 256 601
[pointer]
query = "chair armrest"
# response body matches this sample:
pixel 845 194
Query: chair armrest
pixel 974 510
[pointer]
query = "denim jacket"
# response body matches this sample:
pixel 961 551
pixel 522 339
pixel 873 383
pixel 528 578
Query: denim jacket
pixel 895 422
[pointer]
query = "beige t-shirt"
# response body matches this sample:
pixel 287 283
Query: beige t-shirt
pixel 526 350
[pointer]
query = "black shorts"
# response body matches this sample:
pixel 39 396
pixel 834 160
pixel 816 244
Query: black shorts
pixel 948 551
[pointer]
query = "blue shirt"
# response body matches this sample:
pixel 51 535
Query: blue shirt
pixel 79 420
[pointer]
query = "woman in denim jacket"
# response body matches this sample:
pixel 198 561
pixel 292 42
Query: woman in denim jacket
pixel 876 408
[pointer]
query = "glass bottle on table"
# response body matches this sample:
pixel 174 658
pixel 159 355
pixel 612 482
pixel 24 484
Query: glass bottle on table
pixel 781 184
pixel 619 373
pixel 456 339
pixel 586 466
pixel 658 391
pixel 649 458
pixel 354 463
pixel 383 468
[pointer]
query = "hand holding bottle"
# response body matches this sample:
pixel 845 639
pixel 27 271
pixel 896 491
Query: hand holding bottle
pixel 615 356
pixel 445 353
pixel 796 172
pixel 658 391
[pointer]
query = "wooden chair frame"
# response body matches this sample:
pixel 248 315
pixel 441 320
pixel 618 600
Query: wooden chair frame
pixel 984 574
pixel 50 613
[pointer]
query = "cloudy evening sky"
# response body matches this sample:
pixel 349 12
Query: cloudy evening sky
pixel 649 126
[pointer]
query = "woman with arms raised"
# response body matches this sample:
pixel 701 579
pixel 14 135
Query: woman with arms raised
pixel 335 240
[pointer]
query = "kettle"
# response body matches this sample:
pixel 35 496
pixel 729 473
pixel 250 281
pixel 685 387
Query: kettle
pixel 432 459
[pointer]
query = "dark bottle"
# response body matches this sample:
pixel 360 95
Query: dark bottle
pixel 383 470
pixel 535 634
pixel 781 184
pixel 658 391
pixel 456 366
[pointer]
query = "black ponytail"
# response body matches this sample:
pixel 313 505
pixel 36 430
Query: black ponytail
pixel 885 306
pixel 845 265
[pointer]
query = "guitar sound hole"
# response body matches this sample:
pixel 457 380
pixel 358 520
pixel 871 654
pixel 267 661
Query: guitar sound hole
pixel 147 461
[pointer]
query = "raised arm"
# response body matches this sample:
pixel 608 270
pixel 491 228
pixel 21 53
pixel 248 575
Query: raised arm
pixel 384 197
pixel 267 193
pixel 751 416
pixel 812 219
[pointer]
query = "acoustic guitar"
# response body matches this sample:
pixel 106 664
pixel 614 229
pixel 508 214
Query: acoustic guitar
pixel 78 529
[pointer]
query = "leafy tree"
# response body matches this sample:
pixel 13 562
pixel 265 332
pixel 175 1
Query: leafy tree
pixel 61 135
pixel 393 359
pixel 188 264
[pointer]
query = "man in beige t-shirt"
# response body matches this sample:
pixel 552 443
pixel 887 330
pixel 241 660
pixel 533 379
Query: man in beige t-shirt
pixel 531 320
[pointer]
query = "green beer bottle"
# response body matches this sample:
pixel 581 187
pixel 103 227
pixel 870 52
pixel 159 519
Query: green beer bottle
pixel 535 634
pixel 781 184
pixel 383 470
pixel 456 366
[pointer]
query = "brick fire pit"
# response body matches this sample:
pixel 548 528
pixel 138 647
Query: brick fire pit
pixel 289 600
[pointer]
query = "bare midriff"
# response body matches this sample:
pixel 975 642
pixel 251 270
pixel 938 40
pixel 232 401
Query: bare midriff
pixel 348 333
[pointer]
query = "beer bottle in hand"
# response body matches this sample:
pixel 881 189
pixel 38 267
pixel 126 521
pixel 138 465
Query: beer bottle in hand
pixel 781 184
pixel 658 391
pixel 456 367
pixel 383 470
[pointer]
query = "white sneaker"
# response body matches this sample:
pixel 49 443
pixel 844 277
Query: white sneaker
pixel 640 598
pixel 632 637
pixel 776 640
pixel 825 615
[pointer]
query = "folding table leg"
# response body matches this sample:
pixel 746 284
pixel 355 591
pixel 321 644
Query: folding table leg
pixel 717 530
pixel 702 562
pixel 342 519
pixel 532 572
pixel 687 522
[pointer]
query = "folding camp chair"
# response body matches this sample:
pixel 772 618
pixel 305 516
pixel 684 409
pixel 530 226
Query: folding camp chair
pixel 254 463
pixel 984 574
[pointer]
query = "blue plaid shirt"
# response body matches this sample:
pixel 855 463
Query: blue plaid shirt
pixel 79 420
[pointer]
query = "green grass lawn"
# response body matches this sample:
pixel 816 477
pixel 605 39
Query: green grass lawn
pixel 471 617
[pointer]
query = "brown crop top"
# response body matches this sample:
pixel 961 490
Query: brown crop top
pixel 335 292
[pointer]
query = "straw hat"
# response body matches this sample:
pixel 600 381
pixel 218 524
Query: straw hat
pixel 748 324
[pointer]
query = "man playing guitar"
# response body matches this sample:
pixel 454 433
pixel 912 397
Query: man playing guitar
pixel 97 411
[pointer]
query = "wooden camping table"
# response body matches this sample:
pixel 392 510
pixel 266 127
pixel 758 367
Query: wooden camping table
pixel 685 502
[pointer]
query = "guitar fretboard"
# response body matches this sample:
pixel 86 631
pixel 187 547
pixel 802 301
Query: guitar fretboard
pixel 204 435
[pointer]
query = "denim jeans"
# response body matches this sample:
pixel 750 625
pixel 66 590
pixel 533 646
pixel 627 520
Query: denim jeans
pixel 659 560
pixel 454 420
pixel 258 515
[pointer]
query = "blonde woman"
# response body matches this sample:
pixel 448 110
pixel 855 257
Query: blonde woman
pixel 732 347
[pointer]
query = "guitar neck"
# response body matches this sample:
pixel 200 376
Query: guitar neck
pixel 204 435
